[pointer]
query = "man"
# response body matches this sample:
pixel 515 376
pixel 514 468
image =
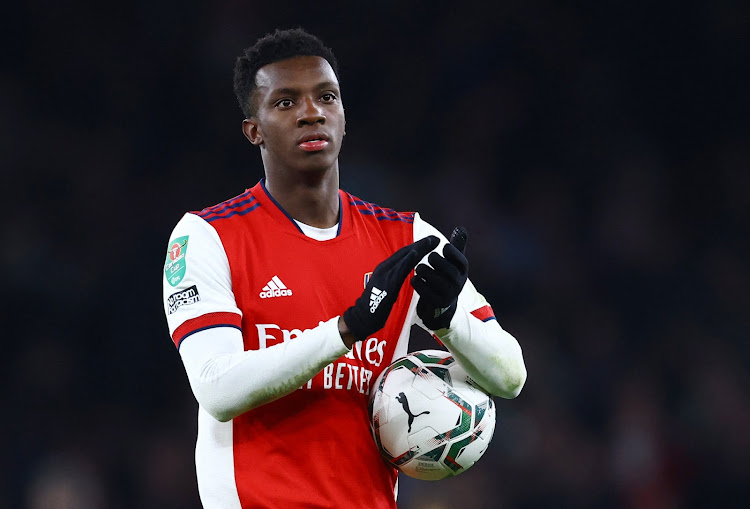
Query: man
pixel 287 301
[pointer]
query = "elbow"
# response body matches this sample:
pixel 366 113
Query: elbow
pixel 515 384
pixel 220 412
pixel 224 413
pixel 215 403
pixel 221 415
pixel 224 408
pixel 512 380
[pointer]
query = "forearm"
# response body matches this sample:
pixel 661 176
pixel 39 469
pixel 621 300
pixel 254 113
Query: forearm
pixel 228 381
pixel 489 354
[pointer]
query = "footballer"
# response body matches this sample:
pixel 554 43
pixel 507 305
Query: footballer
pixel 287 301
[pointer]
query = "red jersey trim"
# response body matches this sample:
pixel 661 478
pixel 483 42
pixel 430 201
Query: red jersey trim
pixel 203 322
pixel 484 313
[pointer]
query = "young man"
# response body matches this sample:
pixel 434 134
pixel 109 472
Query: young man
pixel 287 301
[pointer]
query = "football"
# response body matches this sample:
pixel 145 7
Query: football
pixel 429 419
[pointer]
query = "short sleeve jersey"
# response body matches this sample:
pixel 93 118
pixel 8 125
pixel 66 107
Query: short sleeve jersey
pixel 246 264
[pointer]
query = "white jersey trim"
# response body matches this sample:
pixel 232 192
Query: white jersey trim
pixel 318 233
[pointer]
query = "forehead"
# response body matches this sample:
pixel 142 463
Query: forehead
pixel 296 72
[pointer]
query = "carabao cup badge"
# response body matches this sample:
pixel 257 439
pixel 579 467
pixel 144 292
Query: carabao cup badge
pixel 174 266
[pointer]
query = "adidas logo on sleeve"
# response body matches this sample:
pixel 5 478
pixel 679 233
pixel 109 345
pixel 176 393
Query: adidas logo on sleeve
pixel 275 288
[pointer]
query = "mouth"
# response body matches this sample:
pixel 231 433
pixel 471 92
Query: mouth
pixel 314 142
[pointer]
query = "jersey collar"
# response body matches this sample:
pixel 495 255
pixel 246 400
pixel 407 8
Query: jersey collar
pixel 286 221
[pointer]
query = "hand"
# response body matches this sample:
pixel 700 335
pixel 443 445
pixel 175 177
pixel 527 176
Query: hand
pixel 439 286
pixel 370 311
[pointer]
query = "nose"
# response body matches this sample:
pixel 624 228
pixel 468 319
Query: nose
pixel 310 113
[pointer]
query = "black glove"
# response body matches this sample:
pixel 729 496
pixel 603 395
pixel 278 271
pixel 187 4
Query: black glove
pixel 370 311
pixel 438 286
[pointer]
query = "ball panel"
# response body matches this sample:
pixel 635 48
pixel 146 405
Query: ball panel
pixel 429 419
pixel 443 373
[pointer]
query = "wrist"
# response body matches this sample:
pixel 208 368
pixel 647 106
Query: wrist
pixel 347 336
pixel 438 318
pixel 458 326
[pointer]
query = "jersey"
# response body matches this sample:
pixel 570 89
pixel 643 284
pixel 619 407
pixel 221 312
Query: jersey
pixel 245 264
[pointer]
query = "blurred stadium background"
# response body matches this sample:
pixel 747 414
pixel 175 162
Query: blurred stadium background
pixel 599 154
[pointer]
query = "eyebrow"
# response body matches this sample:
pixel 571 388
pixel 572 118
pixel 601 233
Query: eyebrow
pixel 295 91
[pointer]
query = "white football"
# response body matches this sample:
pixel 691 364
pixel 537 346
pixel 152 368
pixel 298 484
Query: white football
pixel 429 418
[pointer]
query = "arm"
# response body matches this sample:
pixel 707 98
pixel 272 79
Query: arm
pixel 489 354
pixel 204 322
pixel 228 381
pixel 205 325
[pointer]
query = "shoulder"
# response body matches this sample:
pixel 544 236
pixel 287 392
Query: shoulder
pixel 376 212
pixel 194 231
pixel 201 236
pixel 193 225
pixel 424 229
pixel 240 205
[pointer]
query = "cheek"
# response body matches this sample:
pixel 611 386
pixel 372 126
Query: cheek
pixel 274 136
pixel 339 119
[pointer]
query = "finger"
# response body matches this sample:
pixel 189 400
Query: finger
pixel 425 291
pixel 420 247
pixel 439 283
pixel 444 266
pixel 424 271
pixel 456 258
pixel 406 265
pixel 459 238
pixel 396 257
pixel 425 245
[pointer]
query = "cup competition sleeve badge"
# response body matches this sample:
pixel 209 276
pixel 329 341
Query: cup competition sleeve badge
pixel 174 265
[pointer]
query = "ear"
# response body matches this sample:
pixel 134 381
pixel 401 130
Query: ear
pixel 251 130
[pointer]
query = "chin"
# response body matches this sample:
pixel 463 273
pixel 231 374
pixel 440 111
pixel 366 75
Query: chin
pixel 317 163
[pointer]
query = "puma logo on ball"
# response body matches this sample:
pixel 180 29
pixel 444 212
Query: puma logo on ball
pixel 401 398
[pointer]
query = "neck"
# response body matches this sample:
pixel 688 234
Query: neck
pixel 311 198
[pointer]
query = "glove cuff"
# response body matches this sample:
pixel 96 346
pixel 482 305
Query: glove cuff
pixel 353 321
pixel 443 320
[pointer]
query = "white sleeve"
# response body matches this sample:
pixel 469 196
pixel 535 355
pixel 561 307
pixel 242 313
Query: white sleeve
pixel 197 283
pixel 205 324
pixel 228 381
pixel 488 353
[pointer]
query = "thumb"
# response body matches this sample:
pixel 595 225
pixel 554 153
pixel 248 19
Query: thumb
pixel 459 238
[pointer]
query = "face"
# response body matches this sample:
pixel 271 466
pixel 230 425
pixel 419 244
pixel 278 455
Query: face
pixel 299 120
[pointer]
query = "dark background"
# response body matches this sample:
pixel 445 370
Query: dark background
pixel 599 155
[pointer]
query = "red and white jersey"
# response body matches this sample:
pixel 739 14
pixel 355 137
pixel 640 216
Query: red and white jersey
pixel 245 264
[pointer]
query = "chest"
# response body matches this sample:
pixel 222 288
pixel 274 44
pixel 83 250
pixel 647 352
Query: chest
pixel 285 283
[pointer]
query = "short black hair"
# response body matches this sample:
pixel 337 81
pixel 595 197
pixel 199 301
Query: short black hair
pixel 280 45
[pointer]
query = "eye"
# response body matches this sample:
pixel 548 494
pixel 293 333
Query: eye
pixel 328 97
pixel 284 103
